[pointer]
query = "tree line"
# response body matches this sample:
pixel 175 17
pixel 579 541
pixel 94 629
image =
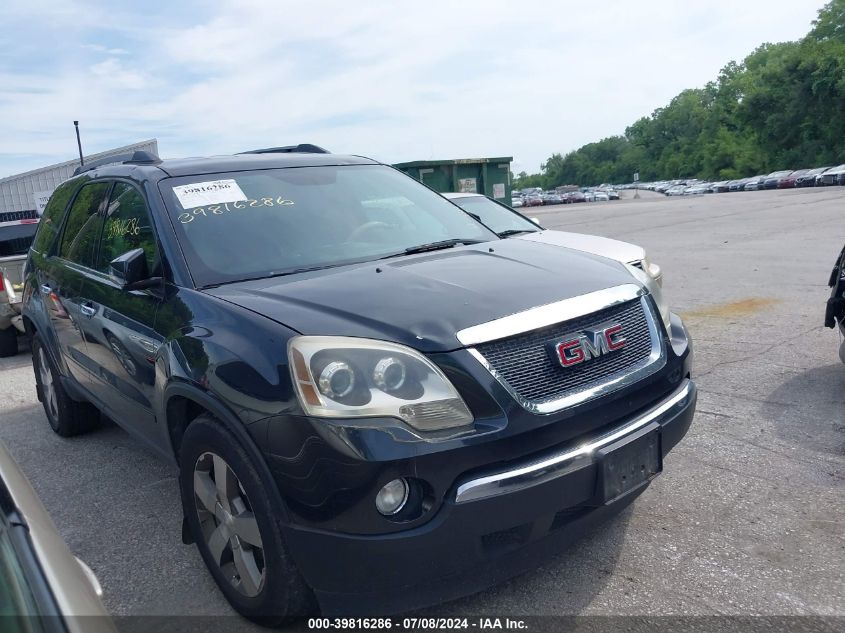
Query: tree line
pixel 782 107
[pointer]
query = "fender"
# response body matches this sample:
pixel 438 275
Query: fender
pixel 233 424
pixel 34 320
pixel 35 323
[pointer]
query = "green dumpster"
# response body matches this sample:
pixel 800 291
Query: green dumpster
pixel 490 176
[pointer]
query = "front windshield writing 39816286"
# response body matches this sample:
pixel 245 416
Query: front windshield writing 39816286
pixel 295 219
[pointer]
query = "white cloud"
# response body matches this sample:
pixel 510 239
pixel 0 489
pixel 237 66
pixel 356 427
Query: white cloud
pixel 397 81
pixel 117 75
pixel 99 48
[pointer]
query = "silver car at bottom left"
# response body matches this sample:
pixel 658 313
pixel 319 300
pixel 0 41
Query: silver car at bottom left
pixel 43 587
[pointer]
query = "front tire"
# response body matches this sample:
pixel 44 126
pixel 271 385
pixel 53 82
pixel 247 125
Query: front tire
pixel 66 416
pixel 237 530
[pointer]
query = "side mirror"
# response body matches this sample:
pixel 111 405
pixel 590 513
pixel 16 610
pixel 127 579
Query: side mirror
pixel 535 220
pixel 129 269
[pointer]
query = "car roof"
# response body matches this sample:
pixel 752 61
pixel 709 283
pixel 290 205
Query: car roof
pixel 237 162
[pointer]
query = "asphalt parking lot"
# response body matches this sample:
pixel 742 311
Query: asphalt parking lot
pixel 747 518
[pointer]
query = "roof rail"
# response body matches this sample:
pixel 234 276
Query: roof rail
pixel 138 157
pixel 302 148
pixel 142 157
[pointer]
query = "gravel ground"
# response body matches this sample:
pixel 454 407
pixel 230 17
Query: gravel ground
pixel 748 517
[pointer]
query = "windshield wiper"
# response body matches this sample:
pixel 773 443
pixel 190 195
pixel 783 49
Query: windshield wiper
pixel 280 273
pixel 437 246
pixel 510 232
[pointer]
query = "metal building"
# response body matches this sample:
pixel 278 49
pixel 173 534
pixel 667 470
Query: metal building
pixel 490 176
pixel 29 191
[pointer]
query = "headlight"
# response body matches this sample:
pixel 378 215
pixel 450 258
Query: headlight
pixel 341 377
pixel 656 292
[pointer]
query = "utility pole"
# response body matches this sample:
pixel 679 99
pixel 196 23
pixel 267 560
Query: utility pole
pixel 79 143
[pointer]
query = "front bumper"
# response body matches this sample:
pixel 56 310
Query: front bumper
pixel 492 526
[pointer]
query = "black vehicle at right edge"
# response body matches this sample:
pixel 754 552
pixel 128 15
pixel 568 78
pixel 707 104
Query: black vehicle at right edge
pixel 375 403
pixel 835 310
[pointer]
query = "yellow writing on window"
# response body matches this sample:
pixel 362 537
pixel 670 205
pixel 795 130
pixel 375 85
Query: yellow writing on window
pixel 119 227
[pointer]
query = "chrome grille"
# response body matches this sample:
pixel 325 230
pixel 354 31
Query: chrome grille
pixel 525 366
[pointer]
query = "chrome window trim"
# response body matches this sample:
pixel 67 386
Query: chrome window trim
pixel 555 466
pixel 549 314
pixel 654 362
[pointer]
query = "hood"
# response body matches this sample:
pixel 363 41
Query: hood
pixel 602 246
pixel 422 300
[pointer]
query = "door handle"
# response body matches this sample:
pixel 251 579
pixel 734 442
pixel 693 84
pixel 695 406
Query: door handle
pixel 45 289
pixel 88 310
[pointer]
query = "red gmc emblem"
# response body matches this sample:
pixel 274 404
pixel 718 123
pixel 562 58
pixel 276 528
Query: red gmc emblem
pixel 589 344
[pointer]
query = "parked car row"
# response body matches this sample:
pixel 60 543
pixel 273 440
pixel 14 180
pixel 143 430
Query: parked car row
pixel 536 197
pixel 783 179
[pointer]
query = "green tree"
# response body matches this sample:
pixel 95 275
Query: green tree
pixel 782 107
pixel 830 25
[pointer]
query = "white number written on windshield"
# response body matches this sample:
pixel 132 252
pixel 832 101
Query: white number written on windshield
pixel 221 209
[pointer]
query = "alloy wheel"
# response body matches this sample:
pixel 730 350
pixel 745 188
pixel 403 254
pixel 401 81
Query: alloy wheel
pixel 228 524
pixel 48 389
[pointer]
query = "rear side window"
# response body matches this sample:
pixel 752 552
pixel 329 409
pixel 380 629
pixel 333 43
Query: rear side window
pixel 82 227
pixel 127 227
pixel 48 227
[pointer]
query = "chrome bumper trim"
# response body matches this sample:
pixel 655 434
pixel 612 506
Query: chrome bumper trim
pixel 549 314
pixel 561 464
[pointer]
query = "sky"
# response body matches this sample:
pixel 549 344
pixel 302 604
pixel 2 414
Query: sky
pixel 396 81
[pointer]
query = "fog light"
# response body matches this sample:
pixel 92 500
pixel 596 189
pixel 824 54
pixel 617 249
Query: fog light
pixel 392 497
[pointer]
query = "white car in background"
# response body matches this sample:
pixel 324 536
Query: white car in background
pixel 833 176
pixel 697 190
pixel 516 201
pixel 506 222
pixel 601 196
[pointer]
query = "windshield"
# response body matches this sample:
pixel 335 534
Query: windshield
pixel 248 224
pixel 496 216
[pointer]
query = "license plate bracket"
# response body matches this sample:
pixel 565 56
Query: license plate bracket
pixel 629 463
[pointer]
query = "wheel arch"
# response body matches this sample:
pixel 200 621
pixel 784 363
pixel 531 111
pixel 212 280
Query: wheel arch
pixel 29 325
pixel 33 327
pixel 183 403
